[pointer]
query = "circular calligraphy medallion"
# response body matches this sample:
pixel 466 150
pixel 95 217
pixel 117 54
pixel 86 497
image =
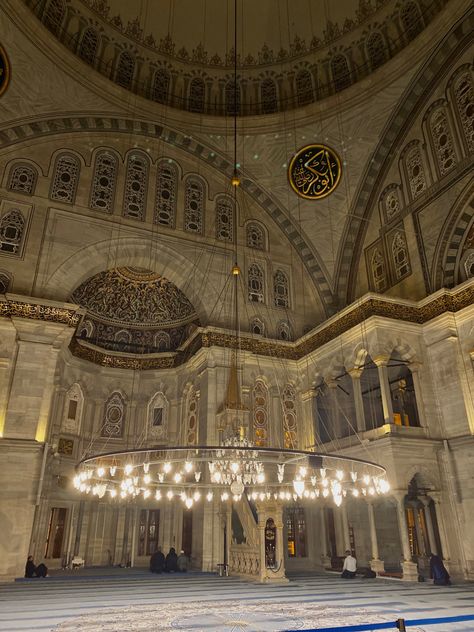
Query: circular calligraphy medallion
pixel 4 70
pixel 314 171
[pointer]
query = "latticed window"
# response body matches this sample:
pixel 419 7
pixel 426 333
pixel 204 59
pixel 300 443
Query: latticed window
pixel 104 182
pixel 89 44
pixel 192 418
pixel 255 237
pixel 283 331
pixel 392 204
pixel 304 87
pixel 256 286
pixel 125 69
pixel 341 75
pixel 296 531
pixel 400 255
pixel 165 200
pixel 257 326
pixel 161 86
pixel 73 410
pixel 464 95
pixel 281 289
pixel 54 15
pixel 379 275
pixel 196 95
pixel 290 427
pixel 410 17
pixel 232 98
pixel 416 172
pixel 134 203
pixel 269 96
pixel 148 532
pixel 442 141
pixel 5 282
pixel 157 416
pixel 194 205
pixel 114 417
pixel 376 49
pixel 224 219
pixel 65 179
pixel 23 179
pixel 260 414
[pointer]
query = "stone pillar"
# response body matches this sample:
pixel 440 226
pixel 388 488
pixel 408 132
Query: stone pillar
pixel 446 551
pixel 410 569
pixel 307 428
pixel 325 557
pixel 335 425
pixel 376 564
pixel 429 525
pixel 382 362
pixel 345 527
pixel 358 401
pixel 133 544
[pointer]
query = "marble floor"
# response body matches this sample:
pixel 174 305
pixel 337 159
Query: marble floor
pixel 132 600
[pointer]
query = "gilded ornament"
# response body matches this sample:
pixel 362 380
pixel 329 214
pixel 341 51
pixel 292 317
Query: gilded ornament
pixel 314 172
pixel 4 70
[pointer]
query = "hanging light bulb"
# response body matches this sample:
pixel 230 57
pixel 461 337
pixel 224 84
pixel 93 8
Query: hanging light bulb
pixel 225 496
pixel 146 468
pixel 196 496
pixel 167 467
pixel 157 495
pixel 113 492
pixel 303 471
pixel 188 466
pixel 197 476
pixel 260 478
pixel 339 475
pixel 298 486
pixel 146 493
pixel 128 469
pixel 147 479
pixel 169 494
pixel 355 492
pixel 100 471
pixel 209 496
pixel 325 492
pixel 177 477
pixel 188 502
pixel 112 470
pixel 338 500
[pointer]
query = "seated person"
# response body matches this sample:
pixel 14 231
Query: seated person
pixel 183 562
pixel 157 561
pixel 34 571
pixel 438 571
pixel 171 561
pixel 350 566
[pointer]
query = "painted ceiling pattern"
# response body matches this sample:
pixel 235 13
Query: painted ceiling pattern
pixel 134 297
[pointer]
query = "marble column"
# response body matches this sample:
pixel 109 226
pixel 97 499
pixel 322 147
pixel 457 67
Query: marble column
pixel 376 564
pixel 334 416
pixel 325 557
pixel 415 373
pixel 345 527
pixel 308 435
pixel 410 569
pixel 444 541
pixel 429 525
pixel 382 367
pixel 358 401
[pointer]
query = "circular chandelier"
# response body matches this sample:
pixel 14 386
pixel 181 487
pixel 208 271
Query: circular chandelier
pixel 227 472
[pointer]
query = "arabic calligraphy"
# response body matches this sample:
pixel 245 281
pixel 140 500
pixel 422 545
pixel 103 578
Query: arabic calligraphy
pixel 315 171
pixel 4 71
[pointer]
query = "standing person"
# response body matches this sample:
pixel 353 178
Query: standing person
pixel 350 566
pixel 157 561
pixel 183 562
pixel 438 571
pixel 171 561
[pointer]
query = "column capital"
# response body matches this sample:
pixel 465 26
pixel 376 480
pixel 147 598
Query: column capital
pixel 425 500
pixel 415 366
pixel 355 372
pixel 331 382
pixel 381 360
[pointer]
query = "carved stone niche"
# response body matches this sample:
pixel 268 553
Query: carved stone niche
pixel 157 418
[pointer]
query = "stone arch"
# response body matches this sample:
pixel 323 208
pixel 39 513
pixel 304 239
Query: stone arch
pixel 129 251
pixel 425 476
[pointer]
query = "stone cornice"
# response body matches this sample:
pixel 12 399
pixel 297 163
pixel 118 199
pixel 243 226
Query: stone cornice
pixel 14 305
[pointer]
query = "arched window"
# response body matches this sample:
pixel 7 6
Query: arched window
pixel 401 263
pixel 23 179
pixel 12 227
pixel 290 427
pixel 410 17
pixel 255 236
pixel 162 341
pixel 114 417
pixel 464 96
pixel 283 331
pixel 194 197
pixel 161 86
pixel 6 281
pixel 442 141
pixel 304 87
pixel 134 203
pixel 376 49
pixel 65 179
pixel 341 75
pixel 269 96
pixel 255 283
pixel 123 336
pixel 196 95
pixel 257 326
pixel 157 427
pixel 260 414
pixel 281 289
pixel 166 189
pixel 191 423
pixel 232 98
pixel 54 15
pixel 416 172
pixel 391 204
pixel 104 182
pixel 125 69
pixel 224 219
pixel 73 410
pixel 89 44
pixel 379 274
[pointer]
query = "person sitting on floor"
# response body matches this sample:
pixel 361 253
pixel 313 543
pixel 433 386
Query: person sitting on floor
pixel 171 561
pixel 183 562
pixel 34 571
pixel 438 571
pixel 157 561
pixel 350 566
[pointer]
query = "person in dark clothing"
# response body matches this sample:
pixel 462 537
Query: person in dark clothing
pixel 35 571
pixel 171 561
pixel 41 570
pixel 157 561
pixel 438 571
